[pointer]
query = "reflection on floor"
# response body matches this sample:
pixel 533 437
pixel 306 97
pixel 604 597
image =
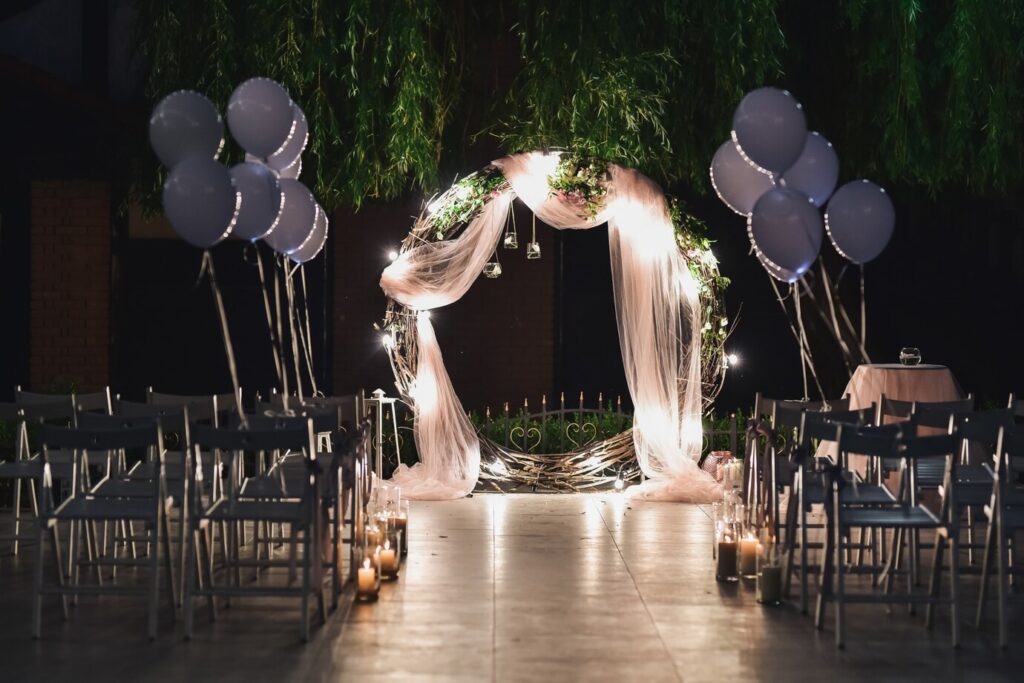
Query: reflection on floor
pixel 514 588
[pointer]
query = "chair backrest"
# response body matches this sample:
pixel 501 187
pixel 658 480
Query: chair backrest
pixel 171 417
pixel 894 408
pixel 1016 406
pixel 766 407
pixel 201 407
pixel 274 434
pixel 939 414
pixel 98 421
pixel 326 419
pixel 96 401
pixel 106 438
pixel 982 427
pixel 1010 458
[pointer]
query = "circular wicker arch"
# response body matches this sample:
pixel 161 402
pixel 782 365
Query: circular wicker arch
pixel 595 465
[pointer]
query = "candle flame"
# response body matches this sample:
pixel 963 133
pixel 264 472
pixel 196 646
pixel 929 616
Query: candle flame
pixel 387 545
pixel 366 563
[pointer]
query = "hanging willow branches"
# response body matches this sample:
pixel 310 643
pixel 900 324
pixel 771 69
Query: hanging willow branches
pixel 397 92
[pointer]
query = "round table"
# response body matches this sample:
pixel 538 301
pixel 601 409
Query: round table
pixel 901 382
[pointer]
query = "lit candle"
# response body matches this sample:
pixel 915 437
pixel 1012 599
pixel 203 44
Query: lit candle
pixel 388 560
pixel 726 570
pixel 748 556
pixel 367 580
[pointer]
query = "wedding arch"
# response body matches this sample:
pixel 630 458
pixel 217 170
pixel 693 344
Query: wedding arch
pixel 668 305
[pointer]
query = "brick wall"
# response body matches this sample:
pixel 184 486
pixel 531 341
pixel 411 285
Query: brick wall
pixel 70 285
pixel 498 341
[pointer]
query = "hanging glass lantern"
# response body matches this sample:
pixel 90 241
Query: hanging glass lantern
pixel 492 269
pixel 533 250
pixel 511 241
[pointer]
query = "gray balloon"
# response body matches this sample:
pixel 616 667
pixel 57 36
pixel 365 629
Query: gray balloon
pixel 816 170
pixel 775 271
pixel 786 229
pixel 737 182
pixel 313 246
pixel 297 219
pixel 292 171
pixel 296 143
pixel 860 219
pixel 260 116
pixel 201 201
pixel 185 124
pixel 769 128
pixel 261 200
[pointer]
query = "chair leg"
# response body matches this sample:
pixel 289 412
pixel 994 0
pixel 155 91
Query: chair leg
pixel 1004 587
pixel 58 565
pixel 986 569
pixel 206 539
pixel 954 586
pixel 17 514
pixel 804 563
pixel 840 594
pixel 306 562
pixel 934 583
pixel 189 579
pixel 172 579
pixel 37 585
pixel 825 590
pixel 153 546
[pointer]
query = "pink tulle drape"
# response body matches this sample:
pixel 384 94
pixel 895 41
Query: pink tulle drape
pixel 657 308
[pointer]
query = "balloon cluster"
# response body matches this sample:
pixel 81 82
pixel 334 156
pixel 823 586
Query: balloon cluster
pixel 258 199
pixel 777 174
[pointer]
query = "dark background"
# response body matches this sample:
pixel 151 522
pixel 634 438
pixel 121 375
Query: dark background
pixel 949 283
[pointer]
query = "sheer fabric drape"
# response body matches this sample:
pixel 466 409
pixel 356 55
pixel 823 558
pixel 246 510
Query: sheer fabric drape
pixel 657 308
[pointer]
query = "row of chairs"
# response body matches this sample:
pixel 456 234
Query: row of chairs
pixel 119 477
pixel 956 468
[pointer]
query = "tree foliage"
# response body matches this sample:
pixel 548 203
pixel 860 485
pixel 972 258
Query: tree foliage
pixel 911 92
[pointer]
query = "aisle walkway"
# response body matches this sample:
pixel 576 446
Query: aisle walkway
pixel 583 587
pixel 509 588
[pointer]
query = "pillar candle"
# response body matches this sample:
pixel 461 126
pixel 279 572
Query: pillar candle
pixel 748 556
pixel 769 585
pixel 388 559
pixel 367 579
pixel 726 570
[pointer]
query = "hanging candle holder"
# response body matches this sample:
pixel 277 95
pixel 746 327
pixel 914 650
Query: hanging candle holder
pixel 533 246
pixel 511 239
pixel 492 269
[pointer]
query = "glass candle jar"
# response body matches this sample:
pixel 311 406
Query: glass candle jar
pixel 727 562
pixel 368 575
pixel 769 576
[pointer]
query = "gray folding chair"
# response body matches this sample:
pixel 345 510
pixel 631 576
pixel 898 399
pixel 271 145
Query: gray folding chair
pixel 907 516
pixel 85 509
pixel 1006 521
pixel 25 470
pixel 298 511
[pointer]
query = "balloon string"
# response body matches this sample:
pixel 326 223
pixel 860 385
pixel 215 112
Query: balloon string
pixel 280 335
pixel 305 333
pixel 863 311
pixel 834 319
pixel 290 293
pixel 806 346
pixel 275 344
pixel 792 328
pixel 207 269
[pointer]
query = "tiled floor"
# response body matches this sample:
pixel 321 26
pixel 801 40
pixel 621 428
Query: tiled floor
pixel 515 588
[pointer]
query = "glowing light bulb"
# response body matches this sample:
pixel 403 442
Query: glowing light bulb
pixel 619 484
pixel 392 255
pixel 388 340
pixel 498 468
pixel 733 359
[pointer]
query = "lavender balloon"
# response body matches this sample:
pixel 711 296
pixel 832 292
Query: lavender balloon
pixel 775 271
pixel 769 128
pixel 296 143
pixel 786 230
pixel 816 170
pixel 185 124
pixel 261 200
pixel 201 201
pixel 315 244
pixel 297 219
pixel 738 183
pixel 860 220
pixel 260 116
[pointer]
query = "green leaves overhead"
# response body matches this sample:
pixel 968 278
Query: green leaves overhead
pixel 925 93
